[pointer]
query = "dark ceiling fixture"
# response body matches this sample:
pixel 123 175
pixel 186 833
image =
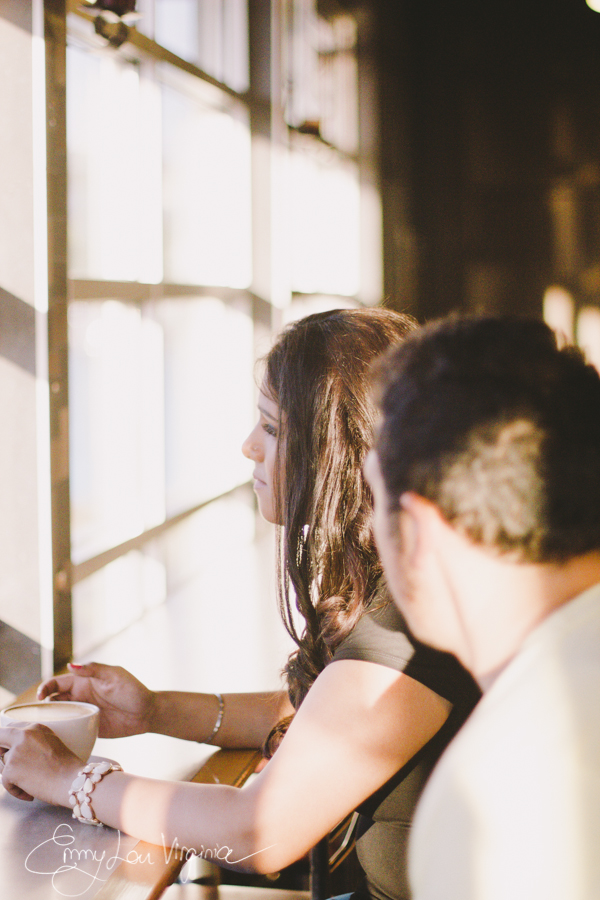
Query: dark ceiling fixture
pixel 118 7
pixel 113 22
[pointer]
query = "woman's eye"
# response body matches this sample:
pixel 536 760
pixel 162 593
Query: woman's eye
pixel 269 429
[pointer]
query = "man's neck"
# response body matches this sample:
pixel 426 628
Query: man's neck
pixel 518 597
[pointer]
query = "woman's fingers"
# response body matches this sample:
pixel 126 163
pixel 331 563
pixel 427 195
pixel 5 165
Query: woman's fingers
pixel 89 670
pixel 15 790
pixel 60 686
pixel 11 788
pixel 36 763
pixel 72 686
pixel 126 705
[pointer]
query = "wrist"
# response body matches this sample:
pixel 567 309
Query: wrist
pixel 83 786
pixel 155 712
pixel 159 712
pixel 63 785
pixel 218 721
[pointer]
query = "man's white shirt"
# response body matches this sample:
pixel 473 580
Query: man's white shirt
pixel 512 811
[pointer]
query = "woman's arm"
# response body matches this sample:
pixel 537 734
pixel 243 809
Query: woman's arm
pixel 358 725
pixel 128 707
pixel 247 718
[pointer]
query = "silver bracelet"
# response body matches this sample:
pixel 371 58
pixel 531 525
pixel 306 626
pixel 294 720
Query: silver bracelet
pixel 219 720
pixel 82 787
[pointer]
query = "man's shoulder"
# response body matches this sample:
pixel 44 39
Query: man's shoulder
pixel 546 700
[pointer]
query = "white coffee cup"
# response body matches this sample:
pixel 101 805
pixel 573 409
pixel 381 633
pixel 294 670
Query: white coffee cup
pixel 75 723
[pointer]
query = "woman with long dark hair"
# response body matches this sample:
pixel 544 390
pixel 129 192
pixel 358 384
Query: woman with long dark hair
pixel 367 710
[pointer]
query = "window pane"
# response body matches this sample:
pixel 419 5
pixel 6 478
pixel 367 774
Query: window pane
pixel 324 223
pixel 208 397
pixel 232 629
pixel 161 400
pixel 176 27
pixel 207 219
pixel 218 570
pixel 116 424
pixel 113 117
pixel 212 34
pixel 322 75
pixel 117 595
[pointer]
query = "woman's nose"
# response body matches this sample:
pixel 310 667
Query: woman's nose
pixel 251 448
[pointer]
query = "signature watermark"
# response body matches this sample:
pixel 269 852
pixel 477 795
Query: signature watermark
pixel 74 869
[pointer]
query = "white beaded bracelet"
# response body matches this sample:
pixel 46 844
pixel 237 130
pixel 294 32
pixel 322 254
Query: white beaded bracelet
pixel 82 787
pixel 219 720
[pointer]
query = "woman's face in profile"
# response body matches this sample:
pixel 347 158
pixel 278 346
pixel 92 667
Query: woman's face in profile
pixel 261 447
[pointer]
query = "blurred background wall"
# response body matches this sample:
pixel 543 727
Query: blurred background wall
pixel 490 137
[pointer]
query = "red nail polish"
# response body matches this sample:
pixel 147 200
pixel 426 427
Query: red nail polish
pixel 75 666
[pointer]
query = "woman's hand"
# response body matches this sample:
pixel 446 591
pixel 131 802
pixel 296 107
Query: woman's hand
pixel 126 705
pixel 35 763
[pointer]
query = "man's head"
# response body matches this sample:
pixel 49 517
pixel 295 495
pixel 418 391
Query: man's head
pixel 485 473
pixel 499 428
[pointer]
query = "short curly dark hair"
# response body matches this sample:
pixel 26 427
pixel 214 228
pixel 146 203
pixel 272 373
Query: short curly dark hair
pixel 499 427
